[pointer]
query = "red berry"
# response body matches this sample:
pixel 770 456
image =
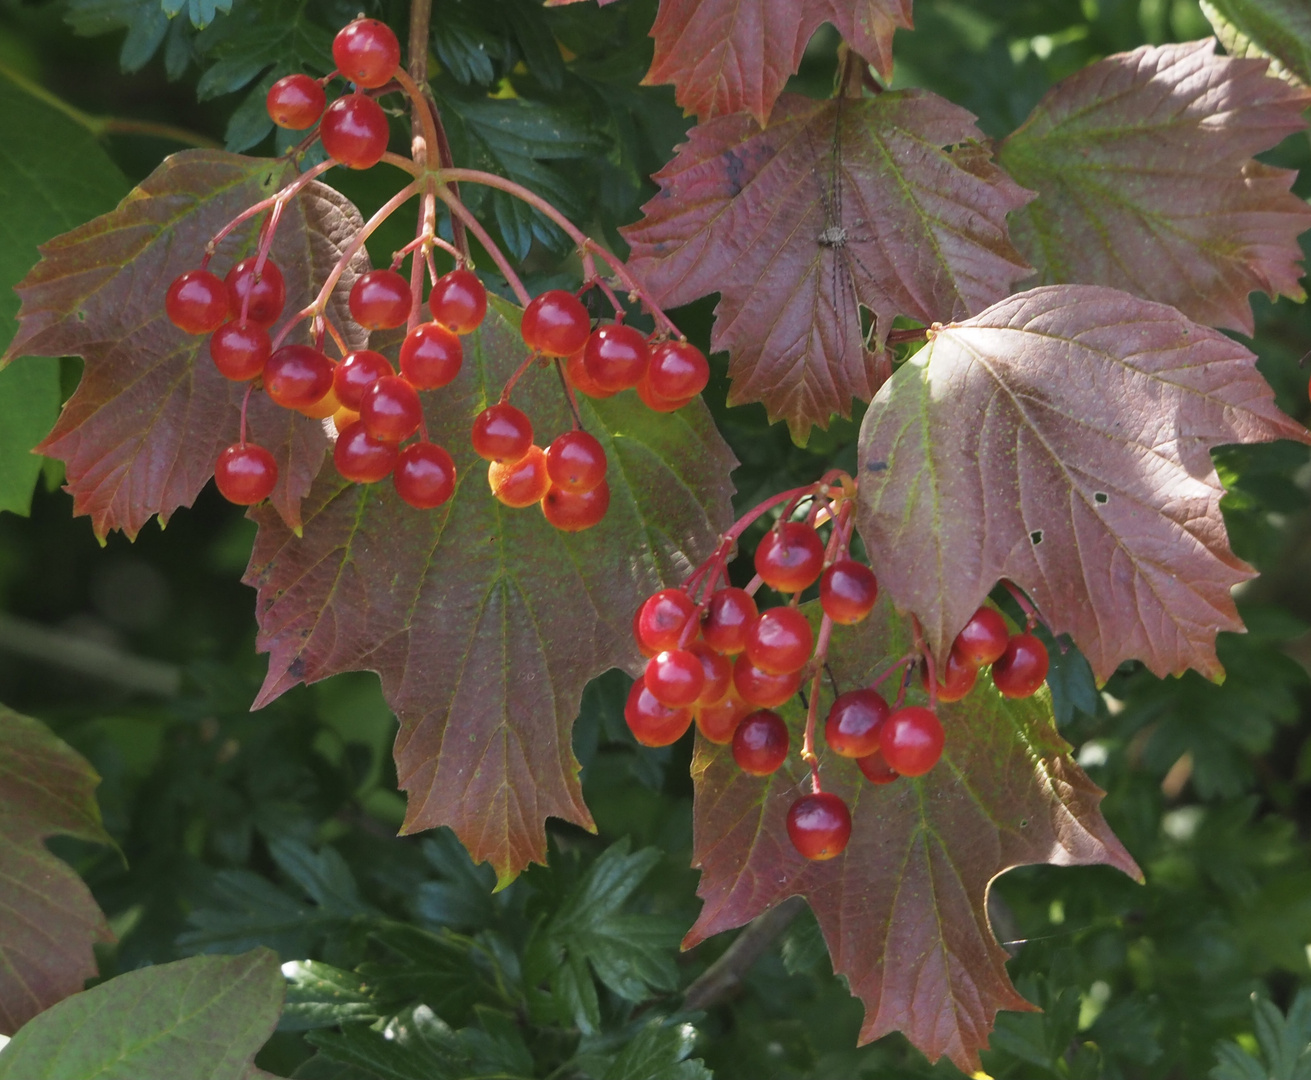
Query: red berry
pixel 196 302
pixel 268 294
pixel 424 475
pixel 654 401
pixel 678 371
pixel 390 409
pixel 729 615
pixel 983 639
pixel 854 721
pixel 761 688
pixel 575 370
pixel 955 680
pixel 718 722
pixel 501 433
pixel 458 301
pixel 245 474
pixel 780 641
pixel 354 131
pixel 662 620
pixel 718 671
pixel 520 483
pixel 298 376
pixel 641 645
pixel 555 323
pixel 575 461
pixel 675 677
pixel 790 556
pixel 366 52
pixel 356 373
pixel 651 723
pixel 240 350
pixel 431 356
pixel 380 300
pixel 1022 668
pixel 847 591
pixel 574 511
pixel 616 357
pixel 326 406
pixel 760 743
pixel 819 825
pixel 360 457
pixel 876 770
pixel 911 740
pixel 295 102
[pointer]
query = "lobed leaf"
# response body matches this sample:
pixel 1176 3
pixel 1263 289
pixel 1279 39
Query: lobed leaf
pixel 1278 30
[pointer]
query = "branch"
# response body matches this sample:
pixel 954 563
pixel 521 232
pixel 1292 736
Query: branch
pixel 724 976
pixel 89 658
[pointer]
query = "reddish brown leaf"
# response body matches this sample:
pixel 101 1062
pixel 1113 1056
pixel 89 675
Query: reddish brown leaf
pixel 48 919
pixel 1061 439
pixel 903 908
pixel 1143 165
pixel 151 414
pixel 485 623
pixel 837 203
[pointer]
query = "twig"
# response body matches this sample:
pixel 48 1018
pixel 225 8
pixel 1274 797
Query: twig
pixel 90 658
pixel 725 975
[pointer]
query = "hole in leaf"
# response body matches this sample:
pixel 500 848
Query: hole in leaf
pixel 1101 496
pixel 1036 537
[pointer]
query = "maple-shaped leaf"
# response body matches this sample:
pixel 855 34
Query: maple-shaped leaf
pixel 485 623
pixel 48 919
pixel 836 204
pixel 1146 182
pixel 903 909
pixel 142 432
pixel 1061 439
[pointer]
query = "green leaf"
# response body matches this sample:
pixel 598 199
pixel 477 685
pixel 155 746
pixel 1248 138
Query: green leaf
pixel 1284 1042
pixel 320 995
pixel 146 23
pixel 1277 29
pixel 658 1052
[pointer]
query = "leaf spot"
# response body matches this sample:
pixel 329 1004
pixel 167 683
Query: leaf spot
pixel 1035 537
pixel 877 467
pixel 1101 497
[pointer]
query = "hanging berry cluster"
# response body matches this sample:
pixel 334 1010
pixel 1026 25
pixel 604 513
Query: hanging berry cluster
pixel 715 659
pixel 375 409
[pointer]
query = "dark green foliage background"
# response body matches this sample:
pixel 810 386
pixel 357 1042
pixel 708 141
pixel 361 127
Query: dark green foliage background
pixel 276 828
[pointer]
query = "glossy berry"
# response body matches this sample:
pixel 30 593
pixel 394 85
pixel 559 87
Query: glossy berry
pixel 651 723
pixel 458 301
pixel 718 672
pixel 780 641
pixel 555 323
pixel 760 743
pixel 295 102
pixel 729 615
pixel 356 373
pixel 654 401
pixel 366 52
pixel 1022 668
pixel 616 357
pixel 323 408
pixel 760 687
pixel 424 475
pixel 390 409
pixel 297 376
pixel 520 483
pixel 575 461
pixel 983 639
pixel 501 433
pixel 574 511
pixel 675 677
pixel 663 618
pixel 354 131
pixel 196 302
pixel 911 740
pixel 854 721
pixel 360 457
pixel 678 371
pixel 575 370
pixel 240 350
pixel 245 474
pixel 431 356
pixel 955 678
pixel 268 294
pixel 380 300
pixel 876 770
pixel 847 591
pixel 718 722
pixel 790 557
pixel 819 825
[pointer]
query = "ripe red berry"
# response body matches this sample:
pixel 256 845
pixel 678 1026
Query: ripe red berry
pixel 654 401
pixel 662 620
pixel 520 483
pixel 876 770
pixel 790 556
pixel 955 679
pixel 431 356
pixel 574 511
pixel 847 591
pixel 983 639
pixel 760 687
pixel 196 302
pixel 1022 668
pixel 575 461
pixel 295 102
pixel 366 52
pixel 424 475
pixel 354 131
pixel 360 457
pixel 268 294
pixel 616 357
pixel 651 723
pixel 501 433
pixel 356 373
pixel 555 323
pixel 297 376
pixel 911 740
pixel 718 722
pixel 678 371
pixel 245 474
pixel 854 721
pixel 240 350
pixel 760 743
pixel 718 671
pixel 380 300
pixel 675 677
pixel 819 825
pixel 390 409
pixel 458 301
pixel 779 642
pixel 575 370
pixel 729 615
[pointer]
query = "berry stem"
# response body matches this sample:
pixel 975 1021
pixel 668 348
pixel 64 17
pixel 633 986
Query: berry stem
pixel 518 374
pixel 748 519
pixel 1030 612
pixel 896 665
pixel 808 754
pixel 252 211
pixel 458 209
pixel 927 655
pixel 592 278
pixel 573 401
pixel 245 401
